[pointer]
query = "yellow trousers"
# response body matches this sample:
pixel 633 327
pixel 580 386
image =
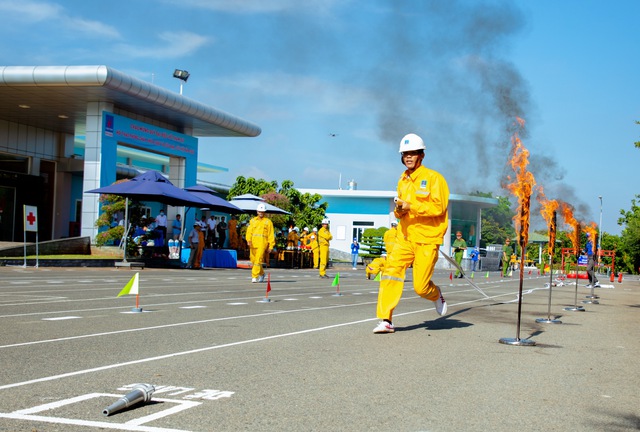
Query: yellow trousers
pixel 256 255
pixel 324 259
pixel 424 258
pixel 316 257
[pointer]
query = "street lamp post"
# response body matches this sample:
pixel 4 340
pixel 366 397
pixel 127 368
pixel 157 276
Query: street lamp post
pixel 182 75
pixel 600 229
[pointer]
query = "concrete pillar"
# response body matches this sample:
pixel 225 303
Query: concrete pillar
pixel 93 168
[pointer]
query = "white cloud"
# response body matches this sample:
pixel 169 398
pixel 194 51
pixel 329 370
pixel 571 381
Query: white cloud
pixel 92 28
pixel 38 12
pixel 320 95
pixel 174 45
pixel 29 11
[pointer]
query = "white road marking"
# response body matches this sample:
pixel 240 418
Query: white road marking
pixel 132 425
pixel 61 318
pixel 212 347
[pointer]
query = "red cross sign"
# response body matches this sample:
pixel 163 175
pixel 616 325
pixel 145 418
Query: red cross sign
pixel 31 218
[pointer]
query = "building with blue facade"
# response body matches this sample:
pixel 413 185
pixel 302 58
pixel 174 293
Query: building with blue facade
pixel 352 211
pixel 68 129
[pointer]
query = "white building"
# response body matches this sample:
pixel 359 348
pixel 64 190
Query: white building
pixel 353 211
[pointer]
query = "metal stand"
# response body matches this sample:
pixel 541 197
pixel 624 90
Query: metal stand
pixel 548 320
pixel 592 298
pixel 265 300
pixel 575 308
pixel 517 341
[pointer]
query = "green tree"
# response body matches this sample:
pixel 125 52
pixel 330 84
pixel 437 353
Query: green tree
pixel 112 205
pixel 372 244
pixel 630 238
pixel 497 222
pixel 306 209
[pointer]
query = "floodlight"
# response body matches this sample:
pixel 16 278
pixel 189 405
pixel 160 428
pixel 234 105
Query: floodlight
pixel 181 74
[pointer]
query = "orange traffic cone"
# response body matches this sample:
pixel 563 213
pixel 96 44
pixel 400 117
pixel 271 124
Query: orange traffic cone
pixel 619 277
pixel 611 278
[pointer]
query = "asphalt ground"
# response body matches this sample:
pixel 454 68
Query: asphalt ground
pixel 223 359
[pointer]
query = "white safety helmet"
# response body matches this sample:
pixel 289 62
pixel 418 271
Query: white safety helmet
pixel 261 208
pixel 306 229
pixel 315 229
pixel 411 142
pixel 325 221
pixel 296 229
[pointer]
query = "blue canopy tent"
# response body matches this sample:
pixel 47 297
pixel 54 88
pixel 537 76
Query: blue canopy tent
pixel 214 202
pixel 150 186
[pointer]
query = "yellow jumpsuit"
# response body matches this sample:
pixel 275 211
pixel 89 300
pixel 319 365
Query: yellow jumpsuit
pixel 420 233
pixel 315 248
pixel 260 237
pixel 390 239
pixel 324 237
pixel 292 240
pixel 233 234
pixel 198 260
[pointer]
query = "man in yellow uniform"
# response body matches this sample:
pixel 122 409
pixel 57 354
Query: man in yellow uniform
pixel 260 239
pixel 324 237
pixel 293 238
pixel 315 247
pixel 389 237
pixel 421 208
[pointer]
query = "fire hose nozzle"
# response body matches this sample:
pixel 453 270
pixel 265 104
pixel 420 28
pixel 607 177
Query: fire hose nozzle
pixel 140 393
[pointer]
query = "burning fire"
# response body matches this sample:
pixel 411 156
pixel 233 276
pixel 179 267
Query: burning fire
pixel 569 219
pixel 548 211
pixel 522 186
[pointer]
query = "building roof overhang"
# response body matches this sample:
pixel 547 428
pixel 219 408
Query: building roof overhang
pixel 56 97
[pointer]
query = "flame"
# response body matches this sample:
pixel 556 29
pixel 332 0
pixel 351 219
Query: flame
pixel 522 186
pixel 569 219
pixel 548 211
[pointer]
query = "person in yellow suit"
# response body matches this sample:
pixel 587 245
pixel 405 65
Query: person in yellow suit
pixel 324 237
pixel 233 233
pixel 293 238
pixel 315 247
pixel 389 237
pixel 421 208
pixel 260 239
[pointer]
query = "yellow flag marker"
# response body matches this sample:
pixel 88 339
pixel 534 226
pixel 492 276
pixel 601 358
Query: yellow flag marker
pixel 131 287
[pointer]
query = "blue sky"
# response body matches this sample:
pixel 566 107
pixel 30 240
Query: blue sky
pixel 335 84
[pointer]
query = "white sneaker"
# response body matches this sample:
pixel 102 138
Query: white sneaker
pixel 254 280
pixel 596 285
pixel 589 286
pixel 441 305
pixel 384 327
pixel 261 278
